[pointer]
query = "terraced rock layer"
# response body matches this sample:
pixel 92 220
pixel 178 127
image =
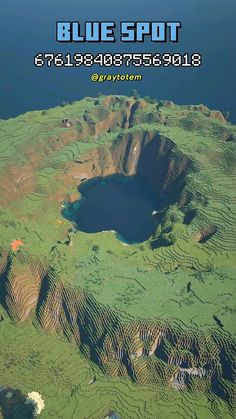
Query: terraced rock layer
pixel 146 351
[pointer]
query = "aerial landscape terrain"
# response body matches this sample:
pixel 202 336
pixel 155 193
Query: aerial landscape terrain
pixel 117 261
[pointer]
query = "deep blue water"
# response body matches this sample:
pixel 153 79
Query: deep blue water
pixel 119 203
pixel 13 404
pixel 28 27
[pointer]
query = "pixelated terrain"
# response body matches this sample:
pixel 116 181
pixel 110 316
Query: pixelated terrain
pixel 100 320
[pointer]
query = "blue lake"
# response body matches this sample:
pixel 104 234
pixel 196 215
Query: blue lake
pixel 123 204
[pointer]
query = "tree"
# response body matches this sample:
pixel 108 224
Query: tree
pixel 95 248
pixel 135 94
pixel 226 114
pixel 150 99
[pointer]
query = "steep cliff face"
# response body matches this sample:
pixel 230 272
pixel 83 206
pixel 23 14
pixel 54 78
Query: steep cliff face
pixel 141 152
pixel 20 293
pixel 149 352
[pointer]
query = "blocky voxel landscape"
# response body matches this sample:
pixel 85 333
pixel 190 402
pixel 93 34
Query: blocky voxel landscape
pixel 97 324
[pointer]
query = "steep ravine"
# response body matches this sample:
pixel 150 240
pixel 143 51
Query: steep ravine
pixel 146 351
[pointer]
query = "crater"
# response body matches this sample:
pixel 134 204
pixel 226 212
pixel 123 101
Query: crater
pixel 134 181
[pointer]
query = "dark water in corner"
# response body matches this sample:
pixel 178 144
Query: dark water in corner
pixel 119 203
pixel 14 405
